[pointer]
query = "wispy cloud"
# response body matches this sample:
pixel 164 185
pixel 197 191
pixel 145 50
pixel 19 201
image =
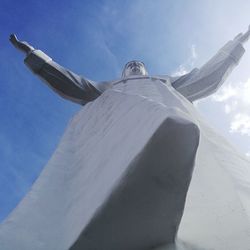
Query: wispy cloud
pixel 188 65
pixel 181 70
pixel 194 53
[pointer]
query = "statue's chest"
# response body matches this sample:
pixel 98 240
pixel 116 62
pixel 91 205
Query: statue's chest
pixel 148 87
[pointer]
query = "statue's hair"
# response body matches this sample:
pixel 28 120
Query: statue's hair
pixel 123 72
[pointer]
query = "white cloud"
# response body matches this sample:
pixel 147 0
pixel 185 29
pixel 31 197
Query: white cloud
pixel 239 91
pixel 241 124
pixel 181 70
pixel 248 154
pixel 188 65
pixel 225 93
pixel 236 101
pixel 246 93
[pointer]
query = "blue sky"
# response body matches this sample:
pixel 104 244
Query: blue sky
pixel 95 39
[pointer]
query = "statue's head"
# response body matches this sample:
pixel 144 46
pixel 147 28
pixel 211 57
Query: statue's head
pixel 134 68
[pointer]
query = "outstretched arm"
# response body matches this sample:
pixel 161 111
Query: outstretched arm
pixel 203 82
pixel 66 83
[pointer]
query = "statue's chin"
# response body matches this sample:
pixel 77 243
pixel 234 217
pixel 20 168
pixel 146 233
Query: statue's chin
pixel 136 73
pixel 130 73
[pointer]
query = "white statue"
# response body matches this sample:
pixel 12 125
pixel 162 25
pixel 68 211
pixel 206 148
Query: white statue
pixel 120 178
pixel 197 84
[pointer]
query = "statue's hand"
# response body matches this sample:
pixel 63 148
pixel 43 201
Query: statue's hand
pixel 243 37
pixel 14 39
pixel 23 46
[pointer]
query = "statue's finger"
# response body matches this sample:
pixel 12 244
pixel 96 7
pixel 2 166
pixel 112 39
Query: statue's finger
pixel 13 38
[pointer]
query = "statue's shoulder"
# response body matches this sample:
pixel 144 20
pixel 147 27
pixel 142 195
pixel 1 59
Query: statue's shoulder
pixel 163 78
pixel 104 85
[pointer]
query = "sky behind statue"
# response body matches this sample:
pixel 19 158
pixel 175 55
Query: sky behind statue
pixel 96 39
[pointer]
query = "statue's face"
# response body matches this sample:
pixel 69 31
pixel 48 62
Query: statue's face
pixel 134 68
